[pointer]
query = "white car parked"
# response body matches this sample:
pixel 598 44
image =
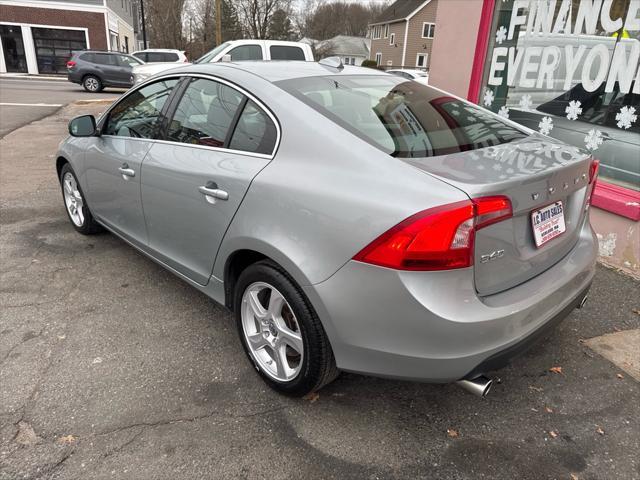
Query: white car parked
pixel 161 55
pixel 419 76
pixel 237 50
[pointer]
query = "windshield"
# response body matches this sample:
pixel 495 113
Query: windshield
pixel 402 118
pixel 207 57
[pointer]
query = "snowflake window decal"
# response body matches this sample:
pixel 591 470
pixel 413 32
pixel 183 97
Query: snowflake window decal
pixel 501 35
pixel 525 102
pixel 573 110
pixel 626 117
pixel 503 112
pixel 593 139
pixel 546 125
pixel 488 97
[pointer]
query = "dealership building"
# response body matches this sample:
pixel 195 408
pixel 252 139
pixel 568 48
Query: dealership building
pixel 569 69
pixel 38 36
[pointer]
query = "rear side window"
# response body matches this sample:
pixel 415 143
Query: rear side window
pixel 161 57
pixel 204 114
pixel 403 118
pixel 255 131
pixel 88 57
pixel 105 59
pixel 138 114
pixel 280 52
pixel 246 52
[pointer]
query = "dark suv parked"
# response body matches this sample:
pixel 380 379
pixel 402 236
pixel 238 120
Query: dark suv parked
pixel 95 70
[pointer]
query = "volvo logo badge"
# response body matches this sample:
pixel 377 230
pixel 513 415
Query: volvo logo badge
pixel 535 195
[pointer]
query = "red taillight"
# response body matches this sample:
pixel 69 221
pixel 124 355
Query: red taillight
pixel 593 176
pixel 439 238
pixel 71 64
pixel 593 170
pixel 490 210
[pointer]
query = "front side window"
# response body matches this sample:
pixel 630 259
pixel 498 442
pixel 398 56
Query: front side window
pixel 141 56
pixel 255 131
pixel 402 118
pixel 283 52
pixel 246 52
pixel 138 114
pixel 204 114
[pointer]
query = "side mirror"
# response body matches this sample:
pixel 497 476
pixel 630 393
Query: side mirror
pixel 84 126
pixel 226 58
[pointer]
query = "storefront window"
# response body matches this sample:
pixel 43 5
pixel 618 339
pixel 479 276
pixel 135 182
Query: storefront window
pixel 13 48
pixel 570 69
pixel 54 47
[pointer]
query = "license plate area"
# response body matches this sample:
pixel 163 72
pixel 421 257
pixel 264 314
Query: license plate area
pixel 547 223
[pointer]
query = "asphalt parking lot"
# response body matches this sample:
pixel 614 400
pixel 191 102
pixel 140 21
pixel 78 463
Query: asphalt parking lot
pixel 111 367
pixel 24 100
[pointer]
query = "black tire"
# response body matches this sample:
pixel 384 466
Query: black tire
pixel 92 84
pixel 318 364
pixel 89 225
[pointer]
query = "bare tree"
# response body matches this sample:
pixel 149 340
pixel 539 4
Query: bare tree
pixel 256 15
pixel 324 20
pixel 164 18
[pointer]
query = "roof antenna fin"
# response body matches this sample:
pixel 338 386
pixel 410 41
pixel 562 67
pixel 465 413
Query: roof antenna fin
pixel 332 62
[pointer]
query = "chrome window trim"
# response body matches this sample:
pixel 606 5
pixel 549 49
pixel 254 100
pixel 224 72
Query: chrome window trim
pixel 215 78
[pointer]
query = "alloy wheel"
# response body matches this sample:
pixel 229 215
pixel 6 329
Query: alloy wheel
pixel 73 199
pixel 272 332
pixel 91 84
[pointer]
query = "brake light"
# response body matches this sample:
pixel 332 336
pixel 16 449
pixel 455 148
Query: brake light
pixel 593 176
pixel 490 210
pixel 71 64
pixel 439 238
pixel 593 170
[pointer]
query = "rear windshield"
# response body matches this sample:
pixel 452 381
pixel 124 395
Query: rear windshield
pixel 402 118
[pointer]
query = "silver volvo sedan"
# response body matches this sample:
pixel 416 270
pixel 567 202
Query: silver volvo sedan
pixel 351 219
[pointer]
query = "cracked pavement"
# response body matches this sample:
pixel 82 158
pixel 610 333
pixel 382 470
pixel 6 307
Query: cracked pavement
pixel 111 367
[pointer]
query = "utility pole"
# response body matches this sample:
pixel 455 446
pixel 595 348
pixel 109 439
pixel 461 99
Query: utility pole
pixel 144 29
pixel 218 22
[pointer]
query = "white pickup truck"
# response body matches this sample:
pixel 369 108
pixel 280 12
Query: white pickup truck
pixel 237 50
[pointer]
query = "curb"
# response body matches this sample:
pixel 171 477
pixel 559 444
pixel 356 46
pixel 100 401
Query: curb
pixel 31 77
pixel 98 101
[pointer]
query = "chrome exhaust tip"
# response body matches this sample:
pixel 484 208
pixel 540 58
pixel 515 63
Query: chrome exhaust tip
pixel 583 301
pixel 479 386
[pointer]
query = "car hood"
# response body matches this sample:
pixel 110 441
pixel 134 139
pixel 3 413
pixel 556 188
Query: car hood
pixel 153 68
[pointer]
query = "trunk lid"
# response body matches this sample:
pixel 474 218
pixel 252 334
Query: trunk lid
pixel 533 172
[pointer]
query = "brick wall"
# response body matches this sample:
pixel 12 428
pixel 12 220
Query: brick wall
pixel 93 21
pixel 416 44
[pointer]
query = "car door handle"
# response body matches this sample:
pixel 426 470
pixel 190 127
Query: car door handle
pixel 212 190
pixel 126 171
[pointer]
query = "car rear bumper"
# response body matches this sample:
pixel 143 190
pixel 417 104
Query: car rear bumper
pixel 432 326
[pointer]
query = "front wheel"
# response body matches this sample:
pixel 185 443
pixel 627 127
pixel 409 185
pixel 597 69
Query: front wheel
pixel 75 204
pixel 281 333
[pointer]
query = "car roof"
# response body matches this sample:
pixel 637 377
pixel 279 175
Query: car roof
pixel 277 70
pixel 172 50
